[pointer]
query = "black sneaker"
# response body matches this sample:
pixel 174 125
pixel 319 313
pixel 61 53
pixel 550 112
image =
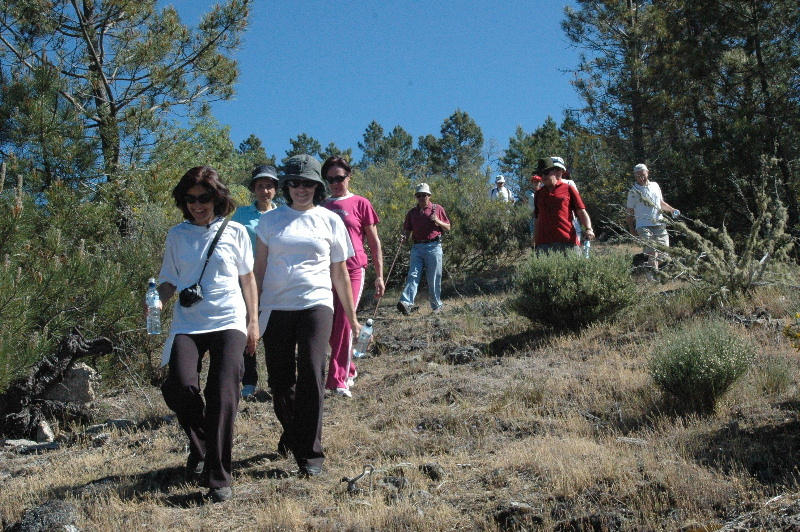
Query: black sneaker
pixel 403 307
pixel 308 471
pixel 194 468
pixel 220 494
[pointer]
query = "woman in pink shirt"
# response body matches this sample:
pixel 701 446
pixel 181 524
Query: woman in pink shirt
pixel 361 221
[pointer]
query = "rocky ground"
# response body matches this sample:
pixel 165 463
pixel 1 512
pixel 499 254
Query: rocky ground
pixel 472 419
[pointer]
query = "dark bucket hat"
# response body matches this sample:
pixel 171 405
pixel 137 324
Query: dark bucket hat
pixel 263 171
pixel 302 167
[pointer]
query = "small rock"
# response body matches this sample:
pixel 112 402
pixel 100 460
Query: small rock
pixel 276 473
pixel 516 516
pixel 463 355
pixel 101 439
pixel 16 444
pixel 78 385
pixel 433 471
pixel 44 433
pixel 51 516
pixel 395 483
pixel 38 447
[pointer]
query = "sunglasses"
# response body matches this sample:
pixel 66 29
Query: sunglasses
pixel 202 198
pixel 421 195
pixel 335 179
pixel 305 183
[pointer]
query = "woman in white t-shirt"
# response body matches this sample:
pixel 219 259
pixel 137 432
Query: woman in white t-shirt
pixel 219 323
pixel 301 255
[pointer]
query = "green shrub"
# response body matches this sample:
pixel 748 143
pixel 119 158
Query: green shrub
pixel 570 291
pixel 697 363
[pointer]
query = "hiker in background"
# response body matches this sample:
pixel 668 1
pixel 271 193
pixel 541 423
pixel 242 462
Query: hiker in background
pixel 361 221
pixel 500 192
pixel 264 185
pixel 223 321
pixel 424 224
pixel 555 205
pixel 300 258
pixel 645 205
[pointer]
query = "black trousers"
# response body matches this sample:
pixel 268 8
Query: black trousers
pixel 296 345
pixel 207 419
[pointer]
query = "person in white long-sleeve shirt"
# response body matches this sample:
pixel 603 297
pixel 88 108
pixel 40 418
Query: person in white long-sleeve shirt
pixel 500 192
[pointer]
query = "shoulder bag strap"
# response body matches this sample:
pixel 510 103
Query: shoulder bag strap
pixel 212 246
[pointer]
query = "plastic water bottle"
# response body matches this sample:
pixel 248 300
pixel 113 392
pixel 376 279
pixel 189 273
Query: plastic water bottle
pixel 360 349
pixel 587 245
pixel 676 214
pixel 153 308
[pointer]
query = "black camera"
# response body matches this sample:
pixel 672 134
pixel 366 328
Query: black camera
pixel 191 295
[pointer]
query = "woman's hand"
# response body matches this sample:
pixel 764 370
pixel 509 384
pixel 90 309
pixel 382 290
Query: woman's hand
pixel 252 338
pixel 249 290
pixel 165 292
pixel 380 288
pixel 146 309
pixel 355 329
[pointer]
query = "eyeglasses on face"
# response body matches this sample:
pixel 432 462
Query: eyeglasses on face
pixel 421 195
pixel 305 183
pixel 202 198
pixel 335 179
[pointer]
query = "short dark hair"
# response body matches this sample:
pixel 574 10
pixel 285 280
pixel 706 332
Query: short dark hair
pixel 335 161
pixel 319 193
pixel 208 178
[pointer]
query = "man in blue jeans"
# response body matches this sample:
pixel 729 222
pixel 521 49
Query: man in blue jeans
pixel 424 224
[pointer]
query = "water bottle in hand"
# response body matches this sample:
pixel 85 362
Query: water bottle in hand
pixel 676 214
pixel 153 308
pixel 360 349
pixel 586 247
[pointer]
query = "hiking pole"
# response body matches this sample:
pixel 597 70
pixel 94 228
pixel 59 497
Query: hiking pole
pixel 388 275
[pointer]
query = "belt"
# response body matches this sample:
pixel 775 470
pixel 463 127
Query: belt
pixel 428 241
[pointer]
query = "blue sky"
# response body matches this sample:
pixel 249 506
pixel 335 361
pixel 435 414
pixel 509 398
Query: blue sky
pixel 328 69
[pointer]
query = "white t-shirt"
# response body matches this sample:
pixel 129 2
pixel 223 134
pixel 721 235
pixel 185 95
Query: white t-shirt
pixel 302 245
pixel 646 215
pixel 501 194
pixel 222 306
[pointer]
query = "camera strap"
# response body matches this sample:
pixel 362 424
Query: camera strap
pixel 212 246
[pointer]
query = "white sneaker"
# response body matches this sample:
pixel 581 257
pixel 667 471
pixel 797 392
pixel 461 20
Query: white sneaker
pixel 343 392
pixel 352 380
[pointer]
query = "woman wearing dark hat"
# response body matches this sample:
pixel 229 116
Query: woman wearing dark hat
pixel 222 322
pixel 301 256
pixel 264 185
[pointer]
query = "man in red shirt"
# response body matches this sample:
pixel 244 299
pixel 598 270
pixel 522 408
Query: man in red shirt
pixel 424 224
pixel 554 205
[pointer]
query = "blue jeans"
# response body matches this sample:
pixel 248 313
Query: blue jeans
pixel 429 257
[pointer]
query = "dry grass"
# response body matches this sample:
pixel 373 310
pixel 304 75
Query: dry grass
pixel 569 425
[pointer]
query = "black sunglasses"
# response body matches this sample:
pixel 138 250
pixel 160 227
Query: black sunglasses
pixel 335 179
pixel 305 183
pixel 421 195
pixel 202 198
